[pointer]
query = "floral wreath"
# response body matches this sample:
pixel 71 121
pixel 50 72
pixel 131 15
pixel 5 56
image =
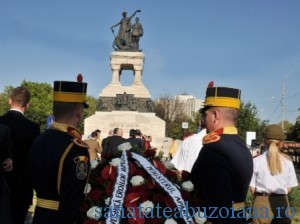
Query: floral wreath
pixel 138 188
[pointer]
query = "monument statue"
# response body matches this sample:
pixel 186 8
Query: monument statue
pixel 128 36
pixel 126 106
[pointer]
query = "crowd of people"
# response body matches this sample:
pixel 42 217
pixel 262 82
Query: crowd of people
pixel 109 145
pixel 293 150
pixel 56 163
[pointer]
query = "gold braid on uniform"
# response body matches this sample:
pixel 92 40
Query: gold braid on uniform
pixel 61 164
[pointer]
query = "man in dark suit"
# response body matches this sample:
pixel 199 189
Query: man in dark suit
pixel 23 133
pixel 223 169
pixel 113 142
pixel 59 158
pixel 6 166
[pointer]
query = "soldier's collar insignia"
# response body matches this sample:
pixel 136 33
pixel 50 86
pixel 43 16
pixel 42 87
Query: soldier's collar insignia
pixel 214 136
pixel 227 130
pixel 230 130
pixel 75 133
pixel 59 126
pixel 211 137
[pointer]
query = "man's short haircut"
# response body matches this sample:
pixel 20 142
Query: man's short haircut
pixel 64 109
pixel 97 131
pixel 229 113
pixel 20 95
pixel 132 132
pixel 94 134
pixel 116 131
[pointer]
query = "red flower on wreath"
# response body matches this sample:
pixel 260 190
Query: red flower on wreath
pixel 134 217
pixel 110 188
pixel 151 184
pixel 132 169
pixel 84 207
pixel 132 199
pixel 154 220
pixel 185 175
pixel 107 156
pixel 160 166
pixel 90 221
pixel 109 172
pixel 158 198
pixel 150 153
pixel 171 174
pixel 100 180
pixel 95 195
pixel 141 172
pixel 169 202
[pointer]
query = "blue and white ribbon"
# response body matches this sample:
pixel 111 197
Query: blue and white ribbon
pixel 169 187
pixel 117 199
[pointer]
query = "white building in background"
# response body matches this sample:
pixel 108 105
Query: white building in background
pixel 189 104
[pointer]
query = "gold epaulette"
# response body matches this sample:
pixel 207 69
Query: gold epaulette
pixel 72 131
pixel 77 137
pixel 211 137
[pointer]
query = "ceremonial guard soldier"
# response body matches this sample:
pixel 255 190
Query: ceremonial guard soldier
pixel 59 159
pixel 223 169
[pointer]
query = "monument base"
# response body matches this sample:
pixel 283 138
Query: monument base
pixel 148 123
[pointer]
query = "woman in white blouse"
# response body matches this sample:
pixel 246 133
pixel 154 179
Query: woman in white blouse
pixel 273 178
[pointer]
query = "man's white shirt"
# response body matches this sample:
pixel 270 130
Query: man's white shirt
pixel 188 151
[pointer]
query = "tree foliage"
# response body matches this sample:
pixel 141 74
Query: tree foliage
pixel 294 131
pixel 170 110
pixel 4 106
pixel 249 121
pixel 40 103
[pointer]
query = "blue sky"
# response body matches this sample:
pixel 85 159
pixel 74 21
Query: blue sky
pixel 253 45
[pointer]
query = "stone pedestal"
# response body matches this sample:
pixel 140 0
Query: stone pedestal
pixel 126 107
pixel 126 61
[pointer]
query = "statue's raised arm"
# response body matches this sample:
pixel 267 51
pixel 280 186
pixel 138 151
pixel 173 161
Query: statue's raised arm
pixel 134 13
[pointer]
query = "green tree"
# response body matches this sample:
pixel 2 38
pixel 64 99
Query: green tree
pixel 248 121
pixel 4 106
pixel 294 133
pixel 40 103
pixel 170 110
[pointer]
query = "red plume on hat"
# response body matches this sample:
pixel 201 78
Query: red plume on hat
pixel 79 78
pixel 210 84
